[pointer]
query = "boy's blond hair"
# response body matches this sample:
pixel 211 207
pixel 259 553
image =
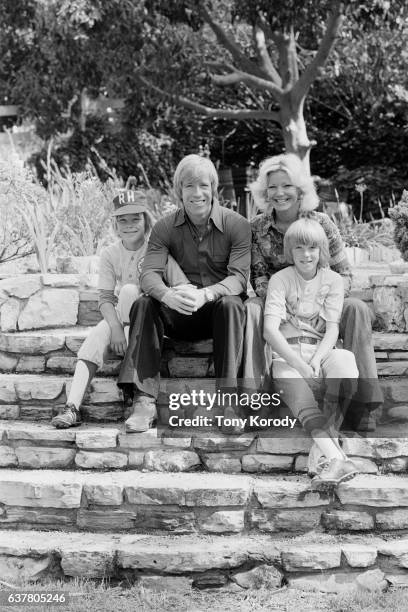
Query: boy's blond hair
pixel 306 232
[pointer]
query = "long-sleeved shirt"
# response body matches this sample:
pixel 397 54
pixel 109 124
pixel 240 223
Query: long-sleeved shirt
pixel 117 267
pixel 267 251
pixel 218 258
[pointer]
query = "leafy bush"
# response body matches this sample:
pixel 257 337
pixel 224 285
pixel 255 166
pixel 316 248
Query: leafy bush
pixel 366 235
pixel 399 214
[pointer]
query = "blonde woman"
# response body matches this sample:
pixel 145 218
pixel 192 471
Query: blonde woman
pixel 282 191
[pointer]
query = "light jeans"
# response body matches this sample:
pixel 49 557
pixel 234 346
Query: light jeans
pixel 338 376
pixel 94 348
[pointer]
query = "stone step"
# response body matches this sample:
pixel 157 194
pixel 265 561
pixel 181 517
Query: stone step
pixel 27 445
pixel 37 397
pixel 198 503
pixel 177 563
pixel 55 350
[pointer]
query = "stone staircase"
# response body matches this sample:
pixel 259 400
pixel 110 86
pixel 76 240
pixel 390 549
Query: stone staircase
pixel 203 509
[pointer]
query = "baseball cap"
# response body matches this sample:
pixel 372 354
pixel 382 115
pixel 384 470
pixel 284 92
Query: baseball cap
pixel 129 201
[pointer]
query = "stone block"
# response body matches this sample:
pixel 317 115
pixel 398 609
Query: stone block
pixel 61 280
pixel 21 286
pixel 392 519
pixel 397 413
pixel 104 391
pixel 7 362
pixel 39 516
pixel 8 457
pixel 50 308
pixel 62 363
pixel 398 390
pixel 7 391
pixel 348 520
pixel 136 441
pixel 105 493
pixel 9 411
pixel 36 413
pixel 39 433
pixel 46 492
pixel 97 562
pixel 31 363
pixel 24 569
pixel 372 581
pixel 102 413
pixel 175 520
pixel 397 550
pixel 97 438
pixel 222 462
pixel 359 555
pixel 223 521
pixel 32 343
pixel 88 313
pixel 310 557
pixel 390 341
pixel 37 457
pixel 337 583
pixel 100 461
pixel 262 576
pixel 299 520
pixel 396 465
pixel 287 494
pixel 267 463
pixel 221 443
pixel 39 388
pixel 176 441
pixel 9 313
pixel 136 459
pixel 376 491
pixel 291 445
pixel 166 460
pixel 106 519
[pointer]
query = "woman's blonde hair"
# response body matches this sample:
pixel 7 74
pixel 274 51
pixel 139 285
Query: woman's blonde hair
pixel 294 168
pixel 192 163
pixel 306 232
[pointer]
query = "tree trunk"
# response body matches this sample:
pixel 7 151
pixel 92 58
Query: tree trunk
pixel 294 129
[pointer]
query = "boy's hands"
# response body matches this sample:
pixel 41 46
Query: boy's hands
pixel 315 364
pixel 118 342
pixel 305 370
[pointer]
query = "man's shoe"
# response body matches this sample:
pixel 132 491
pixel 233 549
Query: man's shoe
pixel 69 416
pixel 335 472
pixel 144 414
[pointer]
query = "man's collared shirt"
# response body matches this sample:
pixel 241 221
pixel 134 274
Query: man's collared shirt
pixel 267 251
pixel 218 258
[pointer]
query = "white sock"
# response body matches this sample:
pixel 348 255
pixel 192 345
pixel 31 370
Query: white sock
pixel 327 446
pixel 82 377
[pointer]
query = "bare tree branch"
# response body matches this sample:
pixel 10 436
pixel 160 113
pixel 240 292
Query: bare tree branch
pixel 266 62
pixel 216 113
pixel 243 77
pixel 240 58
pixel 292 60
pixel 333 25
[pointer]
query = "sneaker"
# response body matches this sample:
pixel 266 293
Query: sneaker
pixel 315 461
pixel 335 472
pixel 69 416
pixel 144 414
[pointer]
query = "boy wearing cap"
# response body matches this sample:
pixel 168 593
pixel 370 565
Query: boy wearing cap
pixel 212 246
pixel 118 285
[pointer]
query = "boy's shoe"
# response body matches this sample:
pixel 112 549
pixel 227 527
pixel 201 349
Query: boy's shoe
pixel 315 461
pixel 69 416
pixel 144 414
pixel 335 472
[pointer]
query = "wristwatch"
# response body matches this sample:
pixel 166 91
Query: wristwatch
pixel 209 296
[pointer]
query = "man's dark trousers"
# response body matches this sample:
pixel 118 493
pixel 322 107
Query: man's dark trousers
pixel 222 320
